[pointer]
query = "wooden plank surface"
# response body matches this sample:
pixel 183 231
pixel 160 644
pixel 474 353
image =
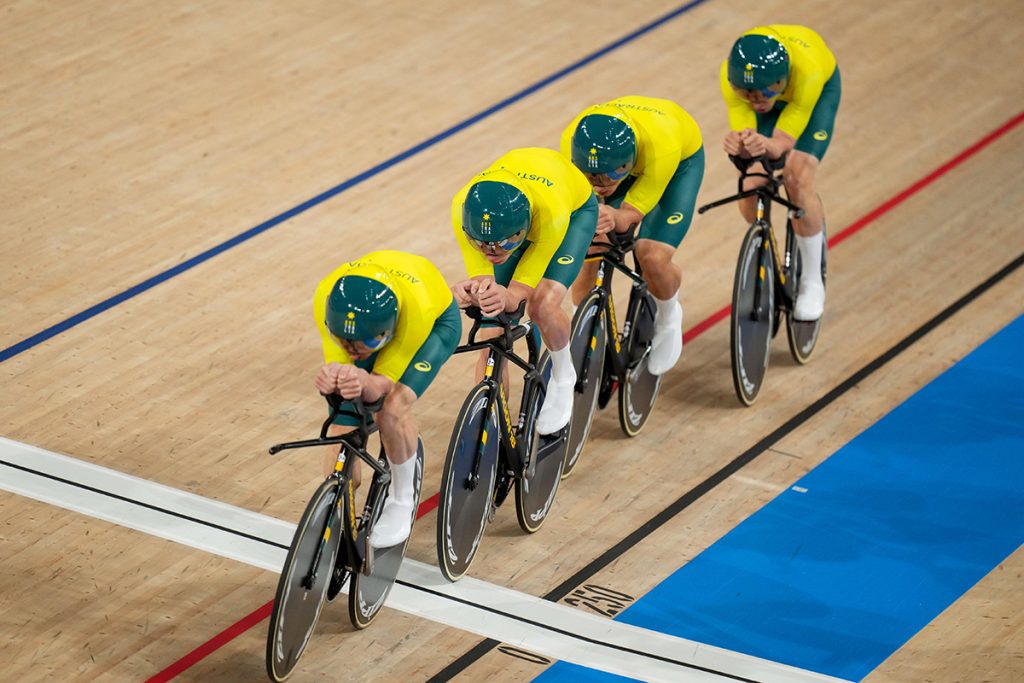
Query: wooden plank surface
pixel 138 136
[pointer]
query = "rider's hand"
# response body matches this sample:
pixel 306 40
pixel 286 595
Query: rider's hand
pixel 605 219
pixel 755 143
pixel 351 381
pixel 733 144
pixel 490 296
pixel 463 293
pixel 326 381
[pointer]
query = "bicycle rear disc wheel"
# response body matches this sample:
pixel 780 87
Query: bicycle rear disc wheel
pixel 296 608
pixel 462 512
pixel 751 321
pixel 803 335
pixel 367 592
pixel 587 345
pixel 639 388
pixel 535 496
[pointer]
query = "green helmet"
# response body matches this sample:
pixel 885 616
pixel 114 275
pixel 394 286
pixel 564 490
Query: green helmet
pixel 603 141
pixel 362 306
pixel 757 61
pixel 496 212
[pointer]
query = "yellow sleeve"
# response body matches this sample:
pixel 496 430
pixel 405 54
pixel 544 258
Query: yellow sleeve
pixel 741 115
pixel 535 261
pixel 476 263
pixel 659 167
pixel 794 118
pixel 413 330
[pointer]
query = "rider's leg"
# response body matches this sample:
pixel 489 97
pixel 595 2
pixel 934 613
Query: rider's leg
pixel 545 308
pixel 663 279
pixel 399 436
pixel 584 283
pixel 661 232
pixel 398 430
pixel 800 176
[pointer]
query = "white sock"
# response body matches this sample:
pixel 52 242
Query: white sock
pixel 561 365
pixel 810 257
pixel 667 311
pixel 403 481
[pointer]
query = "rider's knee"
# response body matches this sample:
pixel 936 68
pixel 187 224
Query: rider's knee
pixel 397 407
pixel 545 299
pixel 654 255
pixel 799 174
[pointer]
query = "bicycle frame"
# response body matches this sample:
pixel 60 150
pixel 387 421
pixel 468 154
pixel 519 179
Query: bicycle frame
pixel 614 255
pixel 352 443
pixel 512 447
pixel 766 194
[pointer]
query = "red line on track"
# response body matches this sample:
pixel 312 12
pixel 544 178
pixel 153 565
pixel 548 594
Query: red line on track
pixel 427 506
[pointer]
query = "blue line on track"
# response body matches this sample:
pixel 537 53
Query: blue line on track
pixel 840 570
pixel 146 285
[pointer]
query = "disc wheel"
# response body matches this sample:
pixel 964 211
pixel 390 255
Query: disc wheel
pixel 639 388
pixel 463 511
pixel 297 603
pixel 368 592
pixel 587 345
pixel 751 319
pixel 803 335
pixel 536 495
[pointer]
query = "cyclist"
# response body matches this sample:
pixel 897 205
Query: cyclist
pixel 524 225
pixel 782 87
pixel 644 157
pixel 387 322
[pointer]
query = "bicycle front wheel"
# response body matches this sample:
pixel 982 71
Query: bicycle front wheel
pixel 463 507
pixel 587 345
pixel 751 319
pixel 639 388
pixel 535 496
pixel 367 592
pixel 302 586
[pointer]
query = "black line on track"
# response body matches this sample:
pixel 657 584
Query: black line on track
pixel 570 634
pixel 745 458
pixel 563 589
pixel 133 501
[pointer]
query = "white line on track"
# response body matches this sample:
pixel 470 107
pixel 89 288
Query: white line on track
pixel 525 621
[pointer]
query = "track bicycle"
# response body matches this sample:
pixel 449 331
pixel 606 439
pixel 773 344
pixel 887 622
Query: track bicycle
pixel 489 454
pixel 607 358
pixel 766 282
pixel 331 543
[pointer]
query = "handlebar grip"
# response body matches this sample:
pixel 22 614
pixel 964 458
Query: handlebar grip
pixel 505 318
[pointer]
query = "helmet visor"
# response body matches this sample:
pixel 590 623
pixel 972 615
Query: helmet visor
pixel 502 246
pixel 361 346
pixel 610 178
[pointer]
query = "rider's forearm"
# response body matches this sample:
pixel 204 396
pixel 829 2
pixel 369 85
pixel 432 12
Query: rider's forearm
pixel 515 294
pixel 627 216
pixel 376 386
pixel 778 144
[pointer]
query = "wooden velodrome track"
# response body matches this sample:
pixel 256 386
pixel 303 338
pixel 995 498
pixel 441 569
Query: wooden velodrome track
pixel 136 136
